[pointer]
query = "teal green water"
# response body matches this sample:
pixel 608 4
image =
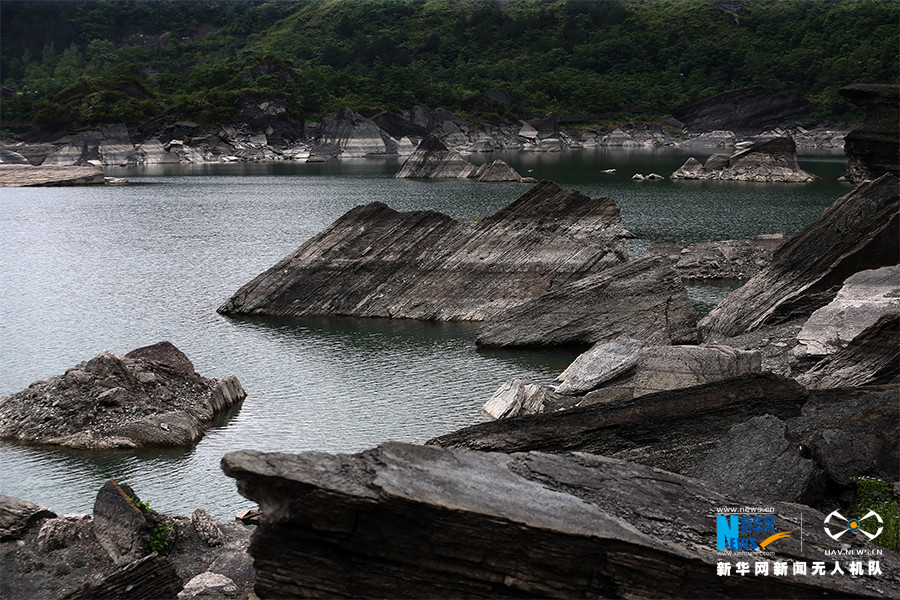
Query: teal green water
pixel 85 270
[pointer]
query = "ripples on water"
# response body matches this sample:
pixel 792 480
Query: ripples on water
pixel 85 270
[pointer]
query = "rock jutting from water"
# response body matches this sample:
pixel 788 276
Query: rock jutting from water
pixel 873 148
pixel 407 521
pixel 377 262
pixel 150 397
pixel 770 160
pixel 19 175
pixel 433 160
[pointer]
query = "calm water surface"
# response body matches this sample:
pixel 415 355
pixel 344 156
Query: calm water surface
pixel 85 270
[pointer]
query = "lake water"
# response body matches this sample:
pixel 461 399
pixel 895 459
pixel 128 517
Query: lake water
pixel 89 269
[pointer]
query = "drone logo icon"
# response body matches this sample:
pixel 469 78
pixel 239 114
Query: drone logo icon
pixel 854 525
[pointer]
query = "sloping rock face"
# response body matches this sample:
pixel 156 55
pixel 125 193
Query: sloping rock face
pixel 748 109
pixel 149 397
pixel 355 136
pixel 433 160
pixel 405 521
pixel 772 160
pixel 859 231
pixel 499 171
pixel 377 262
pixel 873 148
pixel 642 299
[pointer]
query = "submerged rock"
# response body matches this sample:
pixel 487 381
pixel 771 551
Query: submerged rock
pixel 642 299
pixel 772 160
pixel 406 521
pixel 377 262
pixel 858 232
pixel 873 148
pixel 149 397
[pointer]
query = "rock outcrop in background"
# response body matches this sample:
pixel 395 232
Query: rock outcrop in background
pixel 873 148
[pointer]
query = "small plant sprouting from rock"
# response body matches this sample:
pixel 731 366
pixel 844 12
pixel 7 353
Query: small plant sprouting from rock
pixel 875 494
pixel 162 535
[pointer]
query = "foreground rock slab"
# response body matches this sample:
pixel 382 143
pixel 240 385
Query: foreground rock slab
pixel 859 231
pixel 406 521
pixel 150 397
pixel 377 262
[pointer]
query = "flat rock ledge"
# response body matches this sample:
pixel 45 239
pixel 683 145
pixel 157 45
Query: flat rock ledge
pixel 772 160
pixel 407 521
pixel 377 262
pixel 17 175
pixel 150 397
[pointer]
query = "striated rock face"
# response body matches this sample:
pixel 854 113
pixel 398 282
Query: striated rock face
pixel 405 521
pixel 602 363
pixel 149 397
pixel 672 367
pixel 859 231
pixel 748 109
pixel 433 160
pixel 720 259
pixel 499 171
pixel 873 148
pixel 377 262
pixel 642 299
pixel 516 398
pixel 355 135
pixel 30 176
pixel 772 160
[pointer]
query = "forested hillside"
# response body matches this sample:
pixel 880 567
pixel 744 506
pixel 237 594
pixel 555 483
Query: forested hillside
pixel 86 62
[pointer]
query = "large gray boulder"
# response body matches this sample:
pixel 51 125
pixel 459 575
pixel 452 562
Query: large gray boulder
pixel 771 160
pixel 377 262
pixel 121 523
pixel 642 299
pixel 406 521
pixel 602 363
pixel 672 367
pixel 149 397
pixel 18 516
pixel 858 232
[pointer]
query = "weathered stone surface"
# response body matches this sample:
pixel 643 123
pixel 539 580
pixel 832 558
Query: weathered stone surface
pixel 859 231
pixel 405 521
pixel 672 367
pixel 120 525
pixel 377 262
pixel 499 171
pixel 871 358
pixel 152 577
pixel 29 176
pixel 354 134
pixel 235 565
pixel 720 259
pixel 642 299
pixel 515 398
pixel 672 430
pixel 207 586
pixel 110 145
pixel 150 397
pixel 602 363
pixel 18 516
pixel 64 531
pixel 873 148
pixel 433 160
pixel 755 458
pixel 748 109
pixel 864 298
pixel 206 528
pixel 771 160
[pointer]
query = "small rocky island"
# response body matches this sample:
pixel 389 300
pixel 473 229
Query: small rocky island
pixel 150 397
pixel 768 160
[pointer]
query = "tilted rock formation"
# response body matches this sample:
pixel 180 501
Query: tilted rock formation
pixel 873 148
pixel 433 160
pixel 859 231
pixel 150 397
pixel 772 160
pixel 355 136
pixel 748 109
pixel 405 521
pixel 642 299
pixel 377 262
pixel 499 171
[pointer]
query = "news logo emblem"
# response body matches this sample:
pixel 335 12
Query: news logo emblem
pixel 746 532
pixel 843 525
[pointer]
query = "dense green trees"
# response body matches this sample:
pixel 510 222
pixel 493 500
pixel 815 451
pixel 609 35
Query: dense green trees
pixel 85 62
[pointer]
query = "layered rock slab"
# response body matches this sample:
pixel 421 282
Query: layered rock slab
pixel 377 262
pixel 406 521
pixel 150 397
pixel 642 299
pixel 859 231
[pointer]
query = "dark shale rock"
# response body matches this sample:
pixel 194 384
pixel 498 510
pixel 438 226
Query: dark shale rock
pixel 150 397
pixel 377 262
pixel 18 516
pixel 873 148
pixel 499 171
pixel 771 160
pixel 642 299
pixel 750 110
pixel 405 521
pixel 121 526
pixel 756 458
pixel 433 160
pixel 152 577
pixel 720 259
pixel 859 231
pixel 672 430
